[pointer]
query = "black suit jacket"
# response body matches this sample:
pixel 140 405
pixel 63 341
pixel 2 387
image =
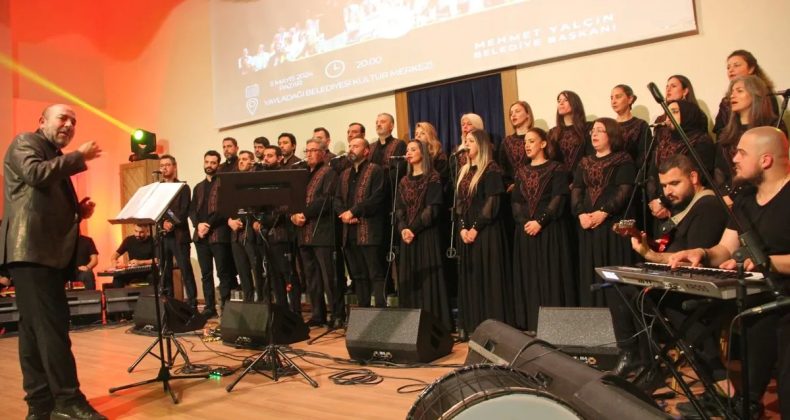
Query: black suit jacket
pixel 41 221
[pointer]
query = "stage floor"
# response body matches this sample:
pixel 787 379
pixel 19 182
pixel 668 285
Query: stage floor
pixel 104 353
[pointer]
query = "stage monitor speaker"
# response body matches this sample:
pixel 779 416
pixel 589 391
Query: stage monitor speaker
pixel 396 335
pixel 247 325
pixel 124 299
pixel 179 316
pixel 84 302
pixel 592 393
pixel 584 333
pixel 8 311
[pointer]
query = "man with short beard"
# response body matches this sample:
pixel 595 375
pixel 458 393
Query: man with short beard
pixel 287 143
pixel 230 148
pixel 322 134
pixel 259 144
pixel 275 240
pixel 176 235
pixel 697 220
pixel 243 242
pixel 38 239
pixel 359 203
pixel 761 160
pixel 211 237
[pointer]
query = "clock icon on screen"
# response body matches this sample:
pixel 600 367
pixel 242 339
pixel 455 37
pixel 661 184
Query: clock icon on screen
pixel 335 69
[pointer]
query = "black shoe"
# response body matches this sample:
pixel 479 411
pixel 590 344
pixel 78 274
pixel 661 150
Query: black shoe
pixel 628 362
pixel 209 313
pixel 37 413
pixel 315 323
pixel 81 410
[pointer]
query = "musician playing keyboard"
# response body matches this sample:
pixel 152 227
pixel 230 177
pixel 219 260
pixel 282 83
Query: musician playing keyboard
pixel 761 160
pixel 697 221
pixel 140 250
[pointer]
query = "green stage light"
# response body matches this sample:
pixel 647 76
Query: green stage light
pixel 143 144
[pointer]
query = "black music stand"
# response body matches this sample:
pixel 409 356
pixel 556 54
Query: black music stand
pixel 147 207
pixel 240 191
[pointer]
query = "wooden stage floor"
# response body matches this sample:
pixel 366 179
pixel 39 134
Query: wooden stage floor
pixel 104 353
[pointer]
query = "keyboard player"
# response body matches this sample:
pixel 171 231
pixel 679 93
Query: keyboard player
pixel 140 249
pixel 761 159
pixel 697 221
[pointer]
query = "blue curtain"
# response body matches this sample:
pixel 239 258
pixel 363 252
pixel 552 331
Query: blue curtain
pixel 443 106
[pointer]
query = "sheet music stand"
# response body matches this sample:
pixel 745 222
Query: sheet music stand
pixel 147 207
pixel 242 191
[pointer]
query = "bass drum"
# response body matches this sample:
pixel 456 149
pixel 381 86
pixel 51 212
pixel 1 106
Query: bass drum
pixel 488 392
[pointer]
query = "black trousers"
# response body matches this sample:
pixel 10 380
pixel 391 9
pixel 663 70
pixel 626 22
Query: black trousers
pixel 248 265
pixel 207 255
pixel 319 272
pixel 366 269
pixel 768 337
pixel 179 251
pixel 49 373
pixel 627 331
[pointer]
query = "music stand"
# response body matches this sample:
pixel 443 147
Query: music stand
pixel 240 191
pixel 146 207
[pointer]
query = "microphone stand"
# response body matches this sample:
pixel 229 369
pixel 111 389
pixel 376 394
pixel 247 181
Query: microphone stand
pixel 330 328
pixel 750 247
pixel 641 181
pixel 452 251
pixel 393 251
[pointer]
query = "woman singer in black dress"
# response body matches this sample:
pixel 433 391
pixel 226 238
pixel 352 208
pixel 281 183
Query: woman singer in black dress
pixel 601 189
pixel 750 106
pixel 417 210
pixel 543 272
pixel 511 152
pixel 572 130
pixel 741 63
pixel 484 289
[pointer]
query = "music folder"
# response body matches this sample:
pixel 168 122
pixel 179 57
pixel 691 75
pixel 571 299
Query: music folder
pixel 148 203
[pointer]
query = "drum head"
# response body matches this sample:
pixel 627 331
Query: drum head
pixel 488 392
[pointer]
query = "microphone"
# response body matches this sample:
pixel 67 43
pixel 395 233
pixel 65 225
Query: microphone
pixel 460 151
pixel 339 156
pixel 156 172
pixel 655 92
pixel 299 164
pixel 766 307
pixel 398 157
pixel 657 125
pixel 785 92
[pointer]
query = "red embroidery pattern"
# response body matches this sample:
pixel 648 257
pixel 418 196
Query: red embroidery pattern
pixel 597 172
pixel 363 228
pixel 534 181
pixel 514 149
pixel 413 191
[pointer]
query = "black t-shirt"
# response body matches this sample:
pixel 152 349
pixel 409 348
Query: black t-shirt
pixel 701 228
pixel 85 248
pixel 137 249
pixel 769 222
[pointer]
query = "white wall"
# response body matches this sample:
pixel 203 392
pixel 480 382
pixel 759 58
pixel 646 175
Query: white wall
pixel 724 26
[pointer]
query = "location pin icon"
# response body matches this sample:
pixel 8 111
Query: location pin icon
pixel 252 105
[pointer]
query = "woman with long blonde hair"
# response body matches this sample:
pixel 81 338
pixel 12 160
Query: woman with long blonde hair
pixel 484 283
pixel 426 132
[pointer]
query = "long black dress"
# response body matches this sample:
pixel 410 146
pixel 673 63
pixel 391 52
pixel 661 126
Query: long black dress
pixel 421 282
pixel 484 286
pixel 512 156
pixel 601 183
pixel 543 273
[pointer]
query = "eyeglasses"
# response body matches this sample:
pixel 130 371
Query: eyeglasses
pixel 312 151
pixel 598 130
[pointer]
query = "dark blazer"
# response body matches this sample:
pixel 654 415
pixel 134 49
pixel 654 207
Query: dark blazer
pixel 180 215
pixel 369 209
pixel 219 231
pixel 41 221
pixel 319 209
